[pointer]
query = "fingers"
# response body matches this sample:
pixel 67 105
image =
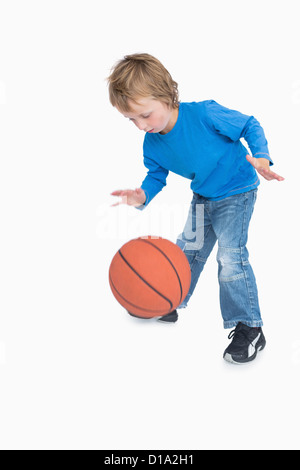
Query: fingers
pixel 116 204
pixel 124 194
pixel 116 193
pixel 122 201
pixel 120 192
pixel 273 176
pixel 265 172
pixel 270 175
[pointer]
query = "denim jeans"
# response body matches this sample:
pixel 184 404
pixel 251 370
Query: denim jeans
pixel 227 221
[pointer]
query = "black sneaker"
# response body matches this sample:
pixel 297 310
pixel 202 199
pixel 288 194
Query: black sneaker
pixel 245 345
pixel 169 318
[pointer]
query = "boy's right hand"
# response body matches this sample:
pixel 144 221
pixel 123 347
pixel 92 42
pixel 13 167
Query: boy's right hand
pixel 132 197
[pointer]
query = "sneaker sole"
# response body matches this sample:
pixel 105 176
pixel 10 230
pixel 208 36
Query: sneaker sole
pixel 160 319
pixel 166 322
pixel 228 358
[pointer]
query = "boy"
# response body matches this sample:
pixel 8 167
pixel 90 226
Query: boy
pixel 201 142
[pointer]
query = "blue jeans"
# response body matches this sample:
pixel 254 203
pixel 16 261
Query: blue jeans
pixel 227 221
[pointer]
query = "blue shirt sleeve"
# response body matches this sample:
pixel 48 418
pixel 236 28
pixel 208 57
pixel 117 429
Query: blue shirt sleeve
pixel 236 125
pixel 154 181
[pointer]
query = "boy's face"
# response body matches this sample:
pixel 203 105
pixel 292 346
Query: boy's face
pixel 151 116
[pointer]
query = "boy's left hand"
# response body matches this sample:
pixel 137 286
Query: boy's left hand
pixel 262 166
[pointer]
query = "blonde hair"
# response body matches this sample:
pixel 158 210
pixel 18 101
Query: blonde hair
pixel 141 75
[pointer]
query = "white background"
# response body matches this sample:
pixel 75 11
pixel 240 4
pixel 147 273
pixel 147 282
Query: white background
pixel 76 372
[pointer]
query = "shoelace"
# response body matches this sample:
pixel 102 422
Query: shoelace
pixel 238 336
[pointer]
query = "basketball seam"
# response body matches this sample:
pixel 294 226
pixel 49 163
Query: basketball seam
pixel 156 247
pixel 144 280
pixel 134 305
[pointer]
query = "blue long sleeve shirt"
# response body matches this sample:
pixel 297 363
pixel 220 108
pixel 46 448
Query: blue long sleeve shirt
pixel 204 146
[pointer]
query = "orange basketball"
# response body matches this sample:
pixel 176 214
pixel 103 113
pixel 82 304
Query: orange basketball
pixel 150 276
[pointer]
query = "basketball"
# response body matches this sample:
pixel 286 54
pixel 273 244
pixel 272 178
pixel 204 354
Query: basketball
pixel 150 276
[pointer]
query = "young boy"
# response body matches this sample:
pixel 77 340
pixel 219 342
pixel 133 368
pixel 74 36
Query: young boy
pixel 201 141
